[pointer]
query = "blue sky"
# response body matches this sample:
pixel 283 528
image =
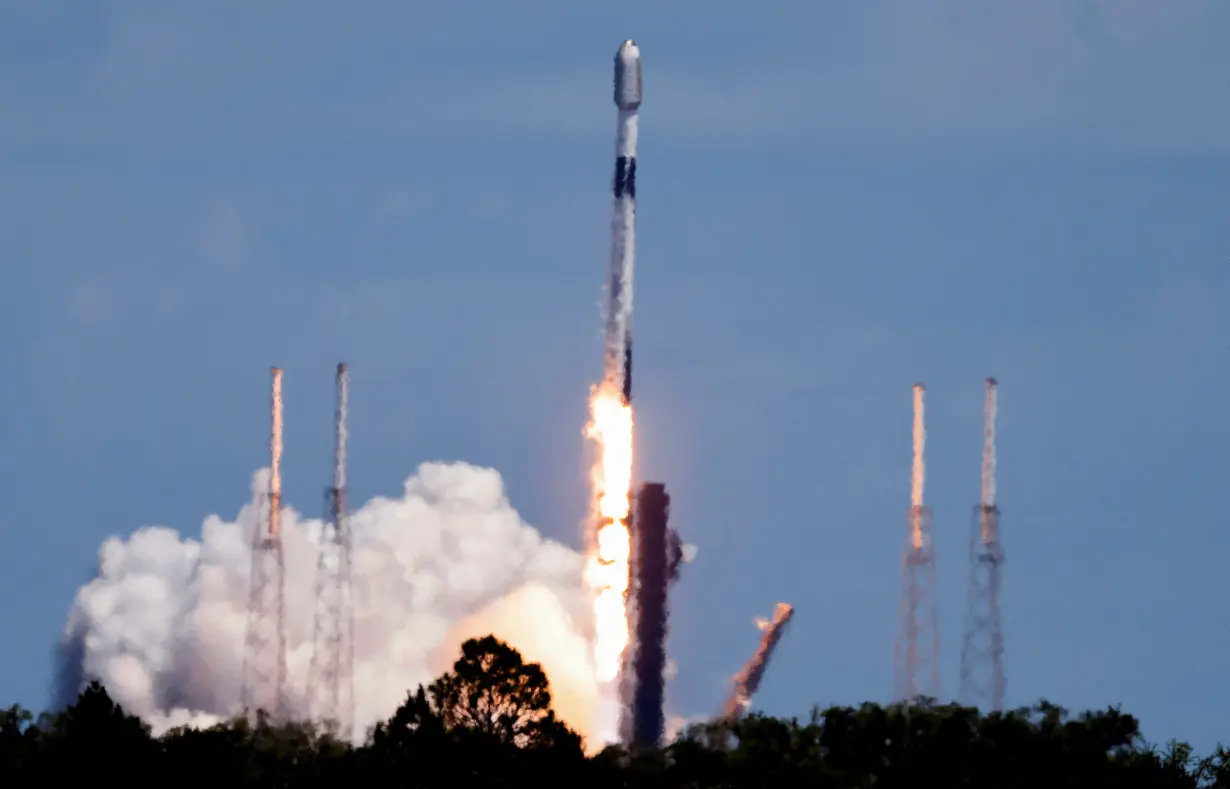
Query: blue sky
pixel 836 199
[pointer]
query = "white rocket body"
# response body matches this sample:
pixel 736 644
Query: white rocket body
pixel 618 364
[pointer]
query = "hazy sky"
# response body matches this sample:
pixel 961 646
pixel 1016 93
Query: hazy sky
pixel 836 199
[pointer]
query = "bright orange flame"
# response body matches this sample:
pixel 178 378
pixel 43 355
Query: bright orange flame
pixel 606 570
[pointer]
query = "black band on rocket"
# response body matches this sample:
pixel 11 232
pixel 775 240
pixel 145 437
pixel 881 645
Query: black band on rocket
pixel 625 176
pixel 627 392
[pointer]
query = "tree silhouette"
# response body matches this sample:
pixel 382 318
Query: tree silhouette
pixel 488 723
pixel 98 735
pixel 18 743
pixel 488 719
pixel 492 690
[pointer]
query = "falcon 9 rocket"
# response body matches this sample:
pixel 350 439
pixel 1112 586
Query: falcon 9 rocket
pixel 618 362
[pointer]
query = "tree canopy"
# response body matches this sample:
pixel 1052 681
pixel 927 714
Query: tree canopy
pixel 488 722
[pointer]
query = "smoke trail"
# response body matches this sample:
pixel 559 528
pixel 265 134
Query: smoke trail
pixel 162 624
pixel 747 681
pixel 647 724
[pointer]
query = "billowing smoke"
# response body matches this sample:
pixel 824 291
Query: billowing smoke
pixel 648 666
pixel 162 625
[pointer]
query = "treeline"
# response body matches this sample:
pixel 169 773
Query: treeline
pixel 489 723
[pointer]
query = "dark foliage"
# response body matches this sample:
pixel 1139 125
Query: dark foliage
pixel 489 723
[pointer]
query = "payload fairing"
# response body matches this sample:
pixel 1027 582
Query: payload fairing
pixel 618 362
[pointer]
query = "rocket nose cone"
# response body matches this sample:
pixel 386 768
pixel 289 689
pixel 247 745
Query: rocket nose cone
pixel 628 76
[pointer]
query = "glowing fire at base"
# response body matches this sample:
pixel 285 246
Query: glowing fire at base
pixel 606 571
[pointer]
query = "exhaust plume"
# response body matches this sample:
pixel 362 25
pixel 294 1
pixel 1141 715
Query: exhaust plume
pixel 162 624
pixel 646 721
pixel 608 567
pixel 747 681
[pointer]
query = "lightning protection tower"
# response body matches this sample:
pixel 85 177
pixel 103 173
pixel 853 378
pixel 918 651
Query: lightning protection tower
pixel 331 674
pixel 982 652
pixel 916 665
pixel 265 645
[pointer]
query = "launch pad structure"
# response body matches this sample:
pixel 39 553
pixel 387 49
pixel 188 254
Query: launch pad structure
pixel 330 687
pixel 982 651
pixel 916 663
pixel 264 666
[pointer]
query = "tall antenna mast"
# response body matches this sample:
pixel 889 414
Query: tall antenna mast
pixel 982 652
pixel 265 645
pixel 916 665
pixel 331 675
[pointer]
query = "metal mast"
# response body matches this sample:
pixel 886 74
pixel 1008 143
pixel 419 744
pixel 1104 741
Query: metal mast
pixel 916 665
pixel 982 652
pixel 265 645
pixel 331 674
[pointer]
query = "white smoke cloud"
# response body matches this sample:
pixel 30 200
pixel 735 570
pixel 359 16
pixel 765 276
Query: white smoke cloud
pixel 163 623
pixel 676 725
